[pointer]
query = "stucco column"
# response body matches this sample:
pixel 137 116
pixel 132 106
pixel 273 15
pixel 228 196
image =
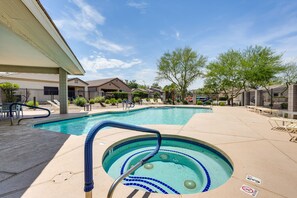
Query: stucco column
pixel 292 99
pixel 247 98
pixel 129 96
pixel 258 97
pixel 63 91
pixel 194 98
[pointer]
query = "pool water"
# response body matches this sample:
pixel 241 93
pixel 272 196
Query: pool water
pixel 180 167
pixel 160 115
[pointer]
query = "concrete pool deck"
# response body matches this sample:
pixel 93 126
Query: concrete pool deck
pixel 36 163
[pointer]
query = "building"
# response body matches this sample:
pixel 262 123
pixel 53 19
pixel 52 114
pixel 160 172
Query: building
pixel 103 86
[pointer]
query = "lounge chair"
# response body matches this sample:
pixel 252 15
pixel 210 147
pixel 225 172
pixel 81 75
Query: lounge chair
pixel 57 102
pixel 143 101
pixel 53 104
pixel 285 124
pixel 152 101
pixel 159 101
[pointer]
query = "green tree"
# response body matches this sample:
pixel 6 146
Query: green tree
pixel 261 67
pixel 8 90
pixel 289 75
pixel 132 84
pixel 227 74
pixel 170 92
pixel 156 85
pixel 181 67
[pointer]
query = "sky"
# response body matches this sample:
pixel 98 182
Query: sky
pixel 125 38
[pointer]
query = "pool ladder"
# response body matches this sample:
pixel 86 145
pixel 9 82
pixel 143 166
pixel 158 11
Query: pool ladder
pixel 88 161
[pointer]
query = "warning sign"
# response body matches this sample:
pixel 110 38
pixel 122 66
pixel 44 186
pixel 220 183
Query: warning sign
pixel 253 179
pixel 249 190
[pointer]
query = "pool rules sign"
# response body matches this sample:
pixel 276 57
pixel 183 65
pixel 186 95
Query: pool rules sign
pixel 249 190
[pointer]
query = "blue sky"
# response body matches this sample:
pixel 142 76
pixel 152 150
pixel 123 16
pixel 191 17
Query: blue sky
pixel 125 38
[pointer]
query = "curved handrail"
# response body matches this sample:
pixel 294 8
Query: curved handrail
pixel 35 117
pixel 89 184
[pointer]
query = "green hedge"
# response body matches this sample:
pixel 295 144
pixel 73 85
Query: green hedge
pixel 199 102
pixel 113 101
pixel 80 101
pixel 99 99
pixel 31 103
pixel 120 95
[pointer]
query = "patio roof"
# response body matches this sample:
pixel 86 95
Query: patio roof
pixel 30 41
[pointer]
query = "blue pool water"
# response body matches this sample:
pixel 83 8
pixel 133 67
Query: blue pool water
pixel 181 166
pixel 161 115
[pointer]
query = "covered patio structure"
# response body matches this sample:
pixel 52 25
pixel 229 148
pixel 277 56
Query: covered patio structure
pixel 31 43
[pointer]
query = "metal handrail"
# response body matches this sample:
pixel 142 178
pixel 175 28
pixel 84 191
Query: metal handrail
pixel 34 107
pixel 89 183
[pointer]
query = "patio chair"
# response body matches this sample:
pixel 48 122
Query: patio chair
pixel 143 101
pixel 57 102
pixel 284 124
pixel 159 101
pixel 152 101
pixel 53 104
pixel 4 110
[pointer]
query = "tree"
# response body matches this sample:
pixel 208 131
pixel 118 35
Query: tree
pixel 8 90
pixel 181 67
pixel 261 67
pixel 132 84
pixel 227 74
pixel 156 85
pixel 170 92
pixel 289 75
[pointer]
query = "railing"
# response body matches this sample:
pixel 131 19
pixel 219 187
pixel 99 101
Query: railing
pixel 34 107
pixel 89 184
pixel 127 104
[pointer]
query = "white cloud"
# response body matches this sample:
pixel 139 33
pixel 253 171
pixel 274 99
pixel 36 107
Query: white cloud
pixel 177 35
pixel 173 34
pixel 142 6
pixel 100 62
pixel 82 24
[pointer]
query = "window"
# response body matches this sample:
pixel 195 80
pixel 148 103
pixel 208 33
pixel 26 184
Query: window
pixel 51 91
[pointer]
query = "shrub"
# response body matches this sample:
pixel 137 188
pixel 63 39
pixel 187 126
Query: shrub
pixel 222 104
pixel 185 102
pixel 8 90
pixel 107 101
pixel 140 94
pixel 136 99
pixel 223 98
pixel 199 102
pixel 207 102
pixel 80 101
pixel 147 99
pixel 178 100
pixel 31 103
pixel 113 101
pixel 120 95
pixel 284 105
pixel 99 99
pixel 120 100
pixel 92 101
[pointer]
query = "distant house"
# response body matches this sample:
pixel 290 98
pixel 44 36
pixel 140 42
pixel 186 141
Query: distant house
pixel 102 86
pixel 43 86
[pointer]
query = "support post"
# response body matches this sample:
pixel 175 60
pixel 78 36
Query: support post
pixel 63 91
pixel 292 99
pixel 247 98
pixel 130 97
pixel 258 97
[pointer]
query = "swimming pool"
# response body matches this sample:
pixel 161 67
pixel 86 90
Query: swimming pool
pixel 182 166
pixel 151 115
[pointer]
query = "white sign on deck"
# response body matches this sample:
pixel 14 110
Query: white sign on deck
pixel 253 179
pixel 249 190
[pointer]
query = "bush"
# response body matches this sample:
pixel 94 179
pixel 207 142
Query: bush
pixel 223 98
pixel 99 99
pixel 120 95
pixel 113 101
pixel 147 99
pixel 80 101
pixel 222 104
pixel 136 99
pixel 207 102
pixel 120 100
pixel 140 94
pixel 185 102
pixel 31 103
pixel 92 101
pixel 284 105
pixel 107 101
pixel 199 102
pixel 178 100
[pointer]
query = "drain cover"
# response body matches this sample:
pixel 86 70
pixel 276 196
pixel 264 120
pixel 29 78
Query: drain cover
pixel 61 177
